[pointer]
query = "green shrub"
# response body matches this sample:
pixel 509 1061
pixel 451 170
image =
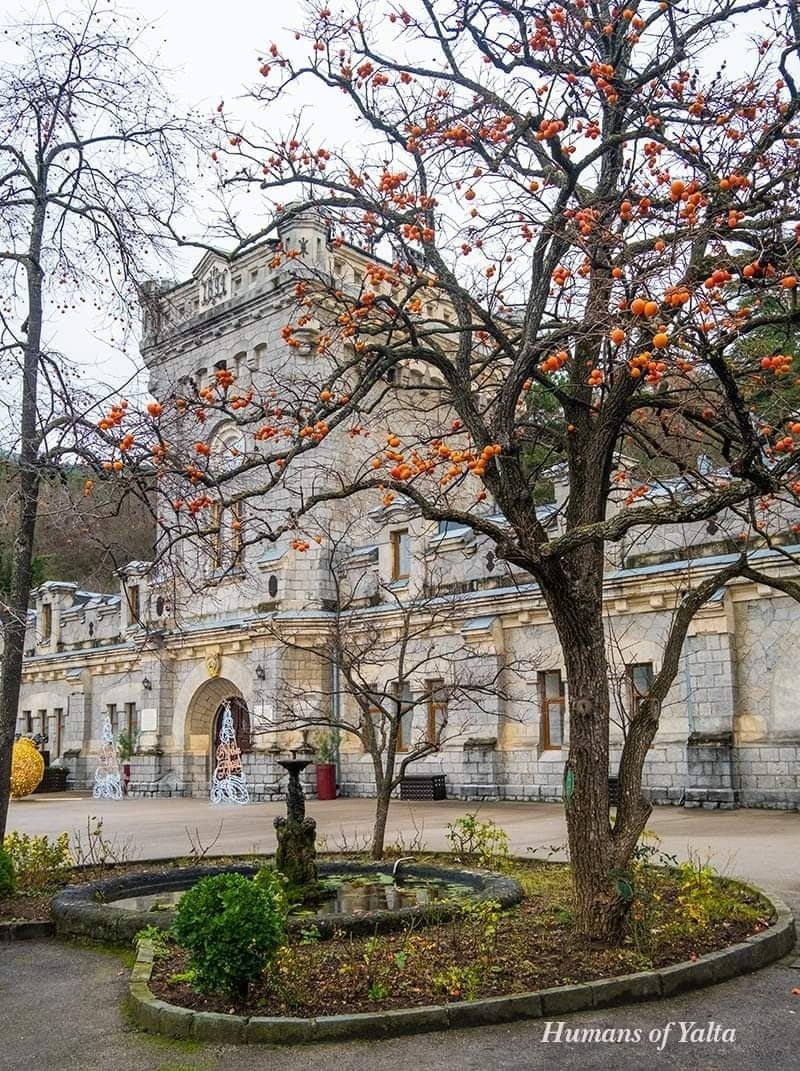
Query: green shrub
pixel 8 881
pixel 483 843
pixel 275 885
pixel 231 927
pixel 159 940
pixel 41 865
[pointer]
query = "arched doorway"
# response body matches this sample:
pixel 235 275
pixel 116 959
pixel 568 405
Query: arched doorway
pixel 203 717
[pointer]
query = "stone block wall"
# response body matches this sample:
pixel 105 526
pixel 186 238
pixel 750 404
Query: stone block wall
pixel 709 773
pixel 529 775
pixel 768 775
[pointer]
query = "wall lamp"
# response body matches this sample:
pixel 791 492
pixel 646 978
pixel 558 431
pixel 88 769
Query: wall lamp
pixel 146 684
pixel 261 673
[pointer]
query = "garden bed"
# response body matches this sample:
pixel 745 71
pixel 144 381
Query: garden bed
pixel 481 953
pixel 678 914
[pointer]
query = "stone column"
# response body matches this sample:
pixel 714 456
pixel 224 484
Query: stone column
pixel 710 700
pixel 481 769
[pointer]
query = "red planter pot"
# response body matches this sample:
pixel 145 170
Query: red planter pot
pixel 326 781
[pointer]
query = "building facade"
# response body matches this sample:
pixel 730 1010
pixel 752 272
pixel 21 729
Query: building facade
pixel 163 656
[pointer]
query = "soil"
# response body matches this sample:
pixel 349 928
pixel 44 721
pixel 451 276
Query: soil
pixel 529 947
pixel 27 908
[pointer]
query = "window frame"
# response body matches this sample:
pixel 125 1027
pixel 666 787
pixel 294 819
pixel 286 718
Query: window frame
pixel 406 696
pixel 436 709
pixel 46 629
pixel 134 595
pixel 227 539
pixel 635 695
pixel 374 713
pixel 128 724
pixel 396 538
pixel 546 702
pixel 57 736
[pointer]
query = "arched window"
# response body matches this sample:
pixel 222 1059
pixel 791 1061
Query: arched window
pixel 227 538
pixel 227 521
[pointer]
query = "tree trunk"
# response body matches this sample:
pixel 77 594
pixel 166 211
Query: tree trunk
pixel 14 623
pixel 601 903
pixel 383 792
pixel 15 613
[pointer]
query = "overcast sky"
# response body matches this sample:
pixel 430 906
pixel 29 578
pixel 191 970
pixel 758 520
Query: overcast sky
pixel 209 50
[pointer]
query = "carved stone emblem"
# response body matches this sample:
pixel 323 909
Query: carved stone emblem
pixel 214 287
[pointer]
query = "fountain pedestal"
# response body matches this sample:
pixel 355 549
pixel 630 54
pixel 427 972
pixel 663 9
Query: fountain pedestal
pixel 296 855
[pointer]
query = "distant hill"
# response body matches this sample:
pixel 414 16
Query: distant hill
pixel 80 538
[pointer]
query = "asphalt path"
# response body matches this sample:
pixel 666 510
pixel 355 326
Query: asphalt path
pixel 61 1006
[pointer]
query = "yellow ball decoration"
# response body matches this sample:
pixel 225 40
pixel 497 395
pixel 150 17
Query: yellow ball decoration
pixel 27 768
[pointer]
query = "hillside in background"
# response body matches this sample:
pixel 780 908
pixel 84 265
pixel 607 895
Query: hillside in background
pixel 80 538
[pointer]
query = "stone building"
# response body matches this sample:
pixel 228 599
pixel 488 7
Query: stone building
pixel 164 655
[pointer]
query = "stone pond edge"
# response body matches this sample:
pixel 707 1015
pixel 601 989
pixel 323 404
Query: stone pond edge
pixel 83 911
pixel 157 1016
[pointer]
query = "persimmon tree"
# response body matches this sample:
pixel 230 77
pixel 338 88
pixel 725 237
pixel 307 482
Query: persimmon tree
pixel 91 165
pixel 566 220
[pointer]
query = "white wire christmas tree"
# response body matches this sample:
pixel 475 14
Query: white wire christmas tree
pixel 107 780
pixel 227 782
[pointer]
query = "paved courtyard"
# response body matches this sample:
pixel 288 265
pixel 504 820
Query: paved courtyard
pixel 60 1005
pixel 760 846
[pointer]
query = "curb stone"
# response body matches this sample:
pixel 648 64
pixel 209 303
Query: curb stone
pixel 752 953
pixel 25 931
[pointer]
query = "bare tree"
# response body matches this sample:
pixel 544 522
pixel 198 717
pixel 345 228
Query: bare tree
pixel 91 177
pixel 403 683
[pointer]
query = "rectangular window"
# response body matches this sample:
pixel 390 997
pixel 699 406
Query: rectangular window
pixel 40 725
pixel 134 603
pixel 111 711
pixel 437 710
pixel 375 714
pixel 25 723
pixel 227 540
pixel 216 535
pixel 551 705
pixel 56 732
pixel 47 621
pixel 401 554
pixel 406 717
pixel 237 532
pixel 640 680
pixel 128 722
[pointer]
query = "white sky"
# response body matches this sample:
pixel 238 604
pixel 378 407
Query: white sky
pixel 209 48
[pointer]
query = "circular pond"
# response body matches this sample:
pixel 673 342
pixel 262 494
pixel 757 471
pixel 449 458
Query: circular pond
pixel 340 894
pixel 362 898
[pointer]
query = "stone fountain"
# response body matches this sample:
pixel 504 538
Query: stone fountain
pixel 296 854
pixel 372 897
